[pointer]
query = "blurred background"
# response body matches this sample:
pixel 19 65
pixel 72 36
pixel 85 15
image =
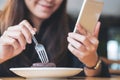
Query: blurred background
pixel 109 36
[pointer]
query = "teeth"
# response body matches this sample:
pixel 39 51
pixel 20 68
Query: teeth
pixel 46 4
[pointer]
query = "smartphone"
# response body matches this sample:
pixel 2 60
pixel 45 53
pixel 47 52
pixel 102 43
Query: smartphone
pixel 89 14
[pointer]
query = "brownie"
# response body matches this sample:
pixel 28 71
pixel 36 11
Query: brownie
pixel 43 65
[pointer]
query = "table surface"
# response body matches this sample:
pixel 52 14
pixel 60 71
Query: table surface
pixel 76 78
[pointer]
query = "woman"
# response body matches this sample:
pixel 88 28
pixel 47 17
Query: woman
pixel 48 21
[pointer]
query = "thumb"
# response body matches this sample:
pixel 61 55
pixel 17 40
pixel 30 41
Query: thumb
pixel 97 29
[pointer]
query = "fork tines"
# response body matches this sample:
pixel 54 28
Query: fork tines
pixel 42 53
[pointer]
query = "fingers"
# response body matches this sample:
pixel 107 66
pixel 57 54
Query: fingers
pixel 76 44
pixel 27 30
pixel 83 47
pixel 26 33
pixel 81 30
pixel 97 28
pixel 9 41
pixel 76 52
pixel 20 34
pixel 77 40
pixel 17 36
pixel 29 27
pixel 84 44
pixel 21 30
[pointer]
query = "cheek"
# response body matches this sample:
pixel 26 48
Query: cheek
pixel 30 4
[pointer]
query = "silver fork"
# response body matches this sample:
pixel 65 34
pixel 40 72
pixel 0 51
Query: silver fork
pixel 40 51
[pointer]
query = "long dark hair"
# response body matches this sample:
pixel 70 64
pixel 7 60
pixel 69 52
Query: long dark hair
pixel 55 35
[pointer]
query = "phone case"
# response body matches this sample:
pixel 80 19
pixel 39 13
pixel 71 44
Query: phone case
pixel 89 14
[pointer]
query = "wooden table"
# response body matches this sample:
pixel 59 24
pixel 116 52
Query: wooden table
pixel 77 78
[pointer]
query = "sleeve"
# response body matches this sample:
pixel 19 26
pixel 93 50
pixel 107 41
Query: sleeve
pixel 19 61
pixel 4 69
pixel 104 70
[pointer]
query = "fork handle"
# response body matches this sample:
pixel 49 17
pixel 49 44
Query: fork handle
pixel 34 39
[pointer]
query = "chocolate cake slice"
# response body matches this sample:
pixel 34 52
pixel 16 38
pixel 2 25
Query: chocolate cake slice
pixel 43 65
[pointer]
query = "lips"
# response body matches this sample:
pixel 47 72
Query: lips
pixel 45 4
pixel 46 7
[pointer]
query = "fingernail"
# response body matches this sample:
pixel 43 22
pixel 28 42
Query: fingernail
pixel 69 34
pixel 23 47
pixel 94 40
pixel 29 41
pixel 33 32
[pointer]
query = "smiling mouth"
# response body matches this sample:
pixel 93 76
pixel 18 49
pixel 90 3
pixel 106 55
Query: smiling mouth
pixel 47 5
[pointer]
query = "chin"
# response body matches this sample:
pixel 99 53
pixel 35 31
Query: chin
pixel 44 16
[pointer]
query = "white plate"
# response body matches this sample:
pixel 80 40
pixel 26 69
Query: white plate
pixel 50 72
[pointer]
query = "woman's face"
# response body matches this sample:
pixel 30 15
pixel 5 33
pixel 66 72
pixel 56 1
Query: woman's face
pixel 43 9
